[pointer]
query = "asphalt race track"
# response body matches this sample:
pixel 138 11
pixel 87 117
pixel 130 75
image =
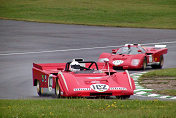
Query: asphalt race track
pixel 22 43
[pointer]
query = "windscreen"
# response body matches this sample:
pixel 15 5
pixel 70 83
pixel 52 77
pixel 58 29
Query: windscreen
pixel 129 50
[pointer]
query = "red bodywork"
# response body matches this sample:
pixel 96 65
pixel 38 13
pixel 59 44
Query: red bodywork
pixel 152 55
pixel 99 82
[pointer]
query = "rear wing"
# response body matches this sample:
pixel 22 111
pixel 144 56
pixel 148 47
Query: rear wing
pixel 50 66
pixel 157 49
pixel 37 66
pixel 160 46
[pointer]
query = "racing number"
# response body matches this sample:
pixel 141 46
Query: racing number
pixel 100 87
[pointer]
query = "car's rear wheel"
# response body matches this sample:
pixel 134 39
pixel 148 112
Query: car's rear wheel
pixel 144 64
pixel 123 97
pixel 39 88
pixel 160 63
pixel 57 90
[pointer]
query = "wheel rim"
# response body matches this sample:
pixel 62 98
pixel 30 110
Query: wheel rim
pixel 57 89
pixel 38 87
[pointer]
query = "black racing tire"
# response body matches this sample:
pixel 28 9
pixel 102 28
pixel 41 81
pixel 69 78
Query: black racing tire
pixel 57 90
pixel 39 88
pixel 160 63
pixel 123 97
pixel 144 65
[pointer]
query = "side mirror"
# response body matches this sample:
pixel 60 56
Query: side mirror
pixel 114 51
pixel 107 62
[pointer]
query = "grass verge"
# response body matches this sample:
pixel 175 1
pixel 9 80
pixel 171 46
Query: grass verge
pixel 170 72
pixel 128 13
pixel 162 81
pixel 86 108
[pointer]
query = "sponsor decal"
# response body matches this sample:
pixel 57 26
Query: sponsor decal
pixel 117 62
pixel 42 78
pixel 118 88
pixel 99 87
pixel 81 89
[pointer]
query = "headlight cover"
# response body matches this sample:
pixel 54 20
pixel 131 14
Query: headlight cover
pixel 135 62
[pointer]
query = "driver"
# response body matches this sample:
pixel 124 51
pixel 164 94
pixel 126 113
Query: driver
pixel 74 66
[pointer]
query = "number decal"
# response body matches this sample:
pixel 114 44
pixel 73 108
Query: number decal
pixel 99 87
pixel 117 62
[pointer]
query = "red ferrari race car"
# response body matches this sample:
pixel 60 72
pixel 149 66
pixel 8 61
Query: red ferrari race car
pixel 81 78
pixel 134 56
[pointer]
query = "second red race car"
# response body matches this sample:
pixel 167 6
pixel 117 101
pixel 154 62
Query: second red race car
pixel 134 56
pixel 80 78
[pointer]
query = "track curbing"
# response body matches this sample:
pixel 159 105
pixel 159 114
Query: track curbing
pixel 141 91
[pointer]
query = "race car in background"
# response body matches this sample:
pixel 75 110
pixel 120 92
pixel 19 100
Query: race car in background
pixel 80 78
pixel 134 56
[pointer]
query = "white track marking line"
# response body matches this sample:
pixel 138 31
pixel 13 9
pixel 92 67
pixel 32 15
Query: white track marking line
pixel 160 43
pixel 51 51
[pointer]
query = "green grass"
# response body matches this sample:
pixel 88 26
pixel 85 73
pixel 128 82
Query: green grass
pixel 122 13
pixel 170 72
pixel 86 108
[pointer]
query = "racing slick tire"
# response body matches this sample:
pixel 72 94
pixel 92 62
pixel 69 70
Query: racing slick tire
pixel 160 63
pixel 57 90
pixel 144 65
pixel 123 97
pixel 39 88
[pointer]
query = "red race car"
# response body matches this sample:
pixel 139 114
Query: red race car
pixel 81 78
pixel 134 56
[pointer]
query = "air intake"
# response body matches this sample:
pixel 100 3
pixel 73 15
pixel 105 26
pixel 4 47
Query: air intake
pixel 100 94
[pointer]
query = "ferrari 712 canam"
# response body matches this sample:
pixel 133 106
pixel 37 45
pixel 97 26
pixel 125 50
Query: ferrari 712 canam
pixel 80 78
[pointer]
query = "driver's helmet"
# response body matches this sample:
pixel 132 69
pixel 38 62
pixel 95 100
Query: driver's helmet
pixel 74 66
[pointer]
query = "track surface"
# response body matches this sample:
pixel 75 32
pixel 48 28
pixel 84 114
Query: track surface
pixel 22 43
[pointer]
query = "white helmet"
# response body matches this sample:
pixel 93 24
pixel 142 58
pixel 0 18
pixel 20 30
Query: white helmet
pixel 74 66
